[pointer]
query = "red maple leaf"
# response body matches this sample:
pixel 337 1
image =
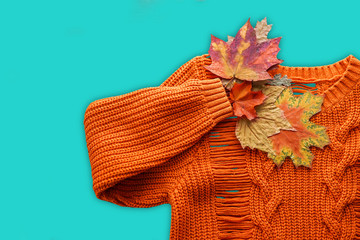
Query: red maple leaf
pixel 245 100
pixel 243 57
pixel 288 138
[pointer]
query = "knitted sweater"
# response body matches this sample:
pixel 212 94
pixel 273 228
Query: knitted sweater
pixel 175 144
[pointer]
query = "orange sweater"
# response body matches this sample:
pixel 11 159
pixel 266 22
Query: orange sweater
pixel 176 144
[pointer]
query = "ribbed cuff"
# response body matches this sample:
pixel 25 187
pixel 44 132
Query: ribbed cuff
pixel 218 103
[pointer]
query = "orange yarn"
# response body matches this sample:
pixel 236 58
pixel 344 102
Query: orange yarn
pixel 176 144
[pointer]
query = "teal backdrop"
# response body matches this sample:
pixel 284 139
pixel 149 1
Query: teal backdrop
pixel 58 56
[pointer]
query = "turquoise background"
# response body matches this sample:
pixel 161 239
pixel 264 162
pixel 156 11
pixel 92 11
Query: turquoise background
pixel 58 56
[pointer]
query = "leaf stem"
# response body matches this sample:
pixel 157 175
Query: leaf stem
pixel 231 80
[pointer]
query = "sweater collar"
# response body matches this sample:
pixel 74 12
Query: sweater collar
pixel 341 77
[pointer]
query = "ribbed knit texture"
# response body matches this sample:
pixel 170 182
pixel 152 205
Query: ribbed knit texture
pixel 176 144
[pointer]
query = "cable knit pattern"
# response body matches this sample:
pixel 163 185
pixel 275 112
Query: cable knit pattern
pixel 175 144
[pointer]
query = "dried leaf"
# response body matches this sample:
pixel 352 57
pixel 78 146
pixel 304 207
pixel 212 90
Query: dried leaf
pixel 245 100
pixel 262 29
pixel 280 81
pixel 270 119
pixel 296 144
pixel 242 57
pixel 259 85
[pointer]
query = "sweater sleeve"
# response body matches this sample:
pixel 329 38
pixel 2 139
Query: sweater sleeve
pixel 130 134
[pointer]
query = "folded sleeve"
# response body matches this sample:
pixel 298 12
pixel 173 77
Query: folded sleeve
pixel 130 134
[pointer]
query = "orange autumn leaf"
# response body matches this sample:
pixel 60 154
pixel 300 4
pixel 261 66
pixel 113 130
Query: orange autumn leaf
pixel 243 57
pixel 288 138
pixel 296 144
pixel 245 100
